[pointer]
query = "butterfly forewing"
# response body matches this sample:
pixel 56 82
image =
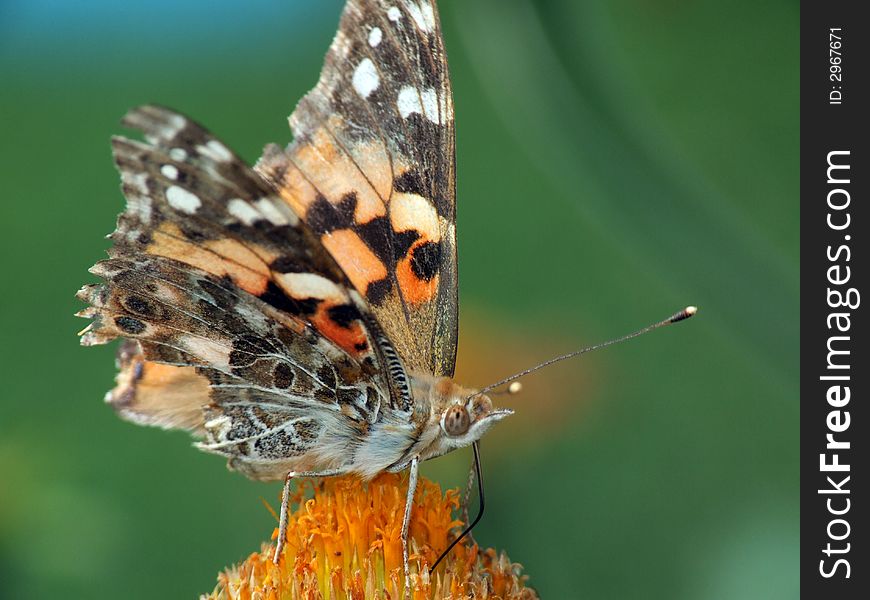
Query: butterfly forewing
pixel 371 171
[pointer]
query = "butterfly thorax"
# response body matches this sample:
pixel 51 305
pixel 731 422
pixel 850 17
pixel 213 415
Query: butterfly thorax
pixel 444 416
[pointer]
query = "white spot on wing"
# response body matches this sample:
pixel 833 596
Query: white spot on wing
pixel 375 37
pixel 174 124
pixel 365 78
pixel 216 151
pixel 414 212
pixel 394 14
pixel 243 211
pixel 424 102
pixel 169 171
pixel 310 285
pixel 211 352
pixel 422 14
pixel 357 299
pixel 179 154
pixel 274 214
pixel 180 199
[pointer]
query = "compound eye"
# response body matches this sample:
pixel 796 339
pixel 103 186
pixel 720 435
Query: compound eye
pixel 456 420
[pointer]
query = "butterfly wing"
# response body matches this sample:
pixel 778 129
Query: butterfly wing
pixel 151 393
pixel 231 303
pixel 371 171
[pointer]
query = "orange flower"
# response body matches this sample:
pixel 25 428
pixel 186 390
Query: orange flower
pixel 345 543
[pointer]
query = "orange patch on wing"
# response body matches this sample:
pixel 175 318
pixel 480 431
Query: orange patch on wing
pixel 296 191
pixel 347 338
pixel 373 160
pixel 311 163
pixel 240 254
pixel 323 167
pixel 414 289
pixel 355 258
pixel 158 394
pixel 248 269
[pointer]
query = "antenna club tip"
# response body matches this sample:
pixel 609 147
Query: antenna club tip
pixel 515 388
pixel 684 314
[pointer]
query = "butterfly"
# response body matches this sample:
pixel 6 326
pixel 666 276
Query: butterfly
pixel 299 317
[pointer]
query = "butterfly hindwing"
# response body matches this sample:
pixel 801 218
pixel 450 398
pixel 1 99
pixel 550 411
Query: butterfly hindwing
pixel 153 393
pixel 371 171
pixel 274 384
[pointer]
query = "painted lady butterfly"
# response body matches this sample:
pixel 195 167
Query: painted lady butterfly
pixel 300 317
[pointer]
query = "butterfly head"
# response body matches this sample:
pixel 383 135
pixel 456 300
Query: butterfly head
pixel 470 417
pixel 463 416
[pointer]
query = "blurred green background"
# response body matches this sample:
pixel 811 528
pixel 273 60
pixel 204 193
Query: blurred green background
pixel 617 161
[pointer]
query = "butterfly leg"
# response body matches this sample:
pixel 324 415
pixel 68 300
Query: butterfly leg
pixel 406 521
pixel 285 507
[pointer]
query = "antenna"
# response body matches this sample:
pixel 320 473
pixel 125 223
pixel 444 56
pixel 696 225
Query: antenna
pixel 515 387
pixel 675 318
